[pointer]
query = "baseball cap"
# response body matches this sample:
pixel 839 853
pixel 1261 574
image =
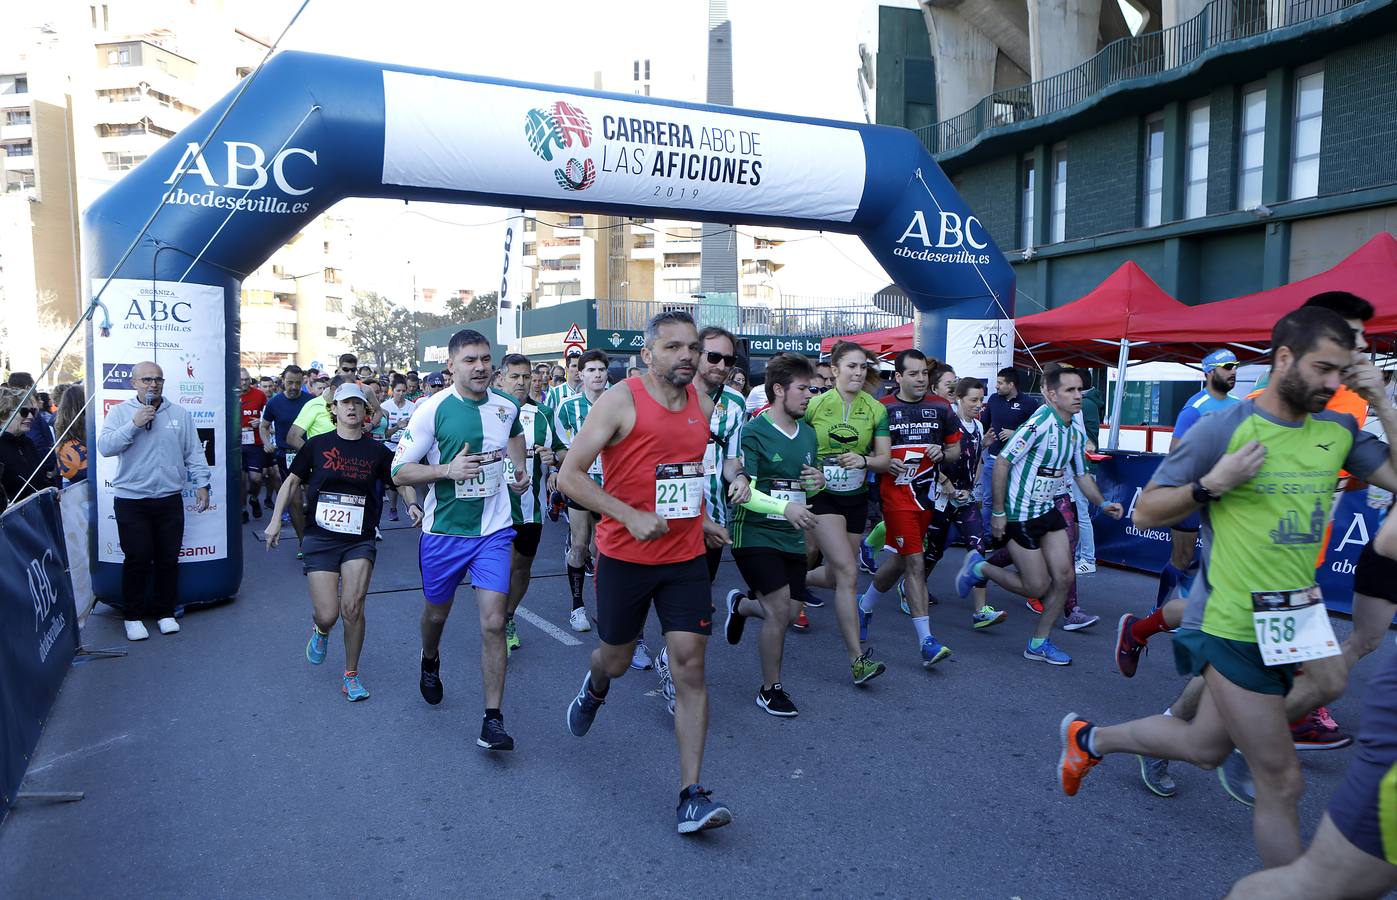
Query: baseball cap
pixel 436 379
pixel 350 392
pixel 1218 358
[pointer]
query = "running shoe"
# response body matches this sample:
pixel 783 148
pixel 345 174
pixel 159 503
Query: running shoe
pixel 256 507
pixel 1086 568
pixel 578 620
pixel 1047 653
pixel 316 646
pixel 1235 776
pixel 1127 648
pixel 966 578
pixel 986 616
pixel 732 628
pixel 1074 763
pixel 801 623
pixel 666 680
pixel 354 688
pixel 866 669
pixel 933 651
pixel 393 513
pixel 812 599
pixel 698 811
pixel 1155 774
pixel 776 701
pixel 494 737
pixel 430 682
pixel 640 658
pixel 555 505
pixel 1079 620
pixel 1311 733
pixel 1034 605
pixel 511 636
pixel 300 554
pixel 286 518
pixel 866 559
pixel 864 619
pixel 582 711
pixel 588 566
pixel 902 597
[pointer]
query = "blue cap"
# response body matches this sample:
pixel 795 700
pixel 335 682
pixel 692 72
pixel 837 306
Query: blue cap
pixel 1218 358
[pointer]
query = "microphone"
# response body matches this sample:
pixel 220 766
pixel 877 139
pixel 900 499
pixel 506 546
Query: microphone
pixel 150 401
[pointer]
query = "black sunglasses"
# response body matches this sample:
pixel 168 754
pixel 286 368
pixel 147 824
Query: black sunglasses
pixel 26 411
pixel 714 357
pixel 818 390
pixel 348 369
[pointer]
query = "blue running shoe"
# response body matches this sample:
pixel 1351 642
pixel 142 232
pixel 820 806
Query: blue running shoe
pixel 864 619
pixel 582 711
pixel 812 600
pixel 1047 653
pixel 933 651
pixel 315 647
pixel 966 578
pixel 354 688
pixel 866 560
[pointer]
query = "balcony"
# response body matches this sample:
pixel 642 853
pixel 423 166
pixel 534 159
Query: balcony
pixel 1153 53
pixel 22 132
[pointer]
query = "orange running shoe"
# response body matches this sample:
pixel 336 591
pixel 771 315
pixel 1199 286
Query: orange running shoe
pixel 1075 762
pixel 1034 605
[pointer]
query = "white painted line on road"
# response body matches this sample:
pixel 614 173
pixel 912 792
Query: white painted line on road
pixel 547 627
pixel 80 752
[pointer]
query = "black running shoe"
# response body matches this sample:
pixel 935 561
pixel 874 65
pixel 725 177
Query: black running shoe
pixel 494 737
pixel 431 680
pixel 732 629
pixel 698 811
pixel 256 507
pixel 245 518
pixel 582 711
pixel 776 701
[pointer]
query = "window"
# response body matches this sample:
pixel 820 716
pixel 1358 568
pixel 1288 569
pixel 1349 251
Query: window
pixel 1251 147
pixel 119 56
pixel 574 221
pixel 530 248
pixel 1152 210
pixel 119 95
pixel 636 68
pixel 334 304
pixel 332 276
pixel 1304 141
pixel 18 117
pixel 683 285
pixel 19 148
pixel 286 330
pixel 1196 162
pixel 1026 202
pixel 1059 193
pixel 123 162
pixel 19 180
pixel 530 224
pixel 647 70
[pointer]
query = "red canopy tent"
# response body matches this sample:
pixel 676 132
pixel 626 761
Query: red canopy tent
pixel 881 342
pixel 1090 331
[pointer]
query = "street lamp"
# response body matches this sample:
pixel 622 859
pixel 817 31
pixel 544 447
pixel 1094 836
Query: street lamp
pixel 626 286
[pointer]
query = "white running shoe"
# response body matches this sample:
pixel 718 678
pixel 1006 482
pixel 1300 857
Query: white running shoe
pixel 168 625
pixel 1086 568
pixel 135 631
pixel 578 620
pixel 640 660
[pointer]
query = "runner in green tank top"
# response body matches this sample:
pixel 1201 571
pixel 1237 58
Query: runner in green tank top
pixel 768 531
pixel 1262 472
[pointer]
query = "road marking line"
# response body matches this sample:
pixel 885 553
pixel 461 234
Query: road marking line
pixel 547 627
pixel 79 752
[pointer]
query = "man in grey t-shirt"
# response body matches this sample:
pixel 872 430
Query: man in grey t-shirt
pixel 159 451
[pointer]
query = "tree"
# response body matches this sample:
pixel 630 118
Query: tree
pixel 383 330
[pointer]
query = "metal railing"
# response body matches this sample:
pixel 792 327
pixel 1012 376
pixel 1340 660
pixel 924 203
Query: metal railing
pixel 1121 60
pixel 750 320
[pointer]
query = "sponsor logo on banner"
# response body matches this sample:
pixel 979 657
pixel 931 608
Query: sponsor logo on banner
pixel 249 169
pixel 466 135
pixel 45 599
pixel 108 404
pixel 614 339
pixel 979 348
pixel 117 376
pixel 957 240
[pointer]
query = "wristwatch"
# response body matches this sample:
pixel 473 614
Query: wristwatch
pixel 1201 495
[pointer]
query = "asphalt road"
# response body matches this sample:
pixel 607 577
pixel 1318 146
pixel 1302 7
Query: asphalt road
pixel 218 763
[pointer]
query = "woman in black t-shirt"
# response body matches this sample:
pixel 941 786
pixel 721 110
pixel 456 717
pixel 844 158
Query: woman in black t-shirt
pixel 345 473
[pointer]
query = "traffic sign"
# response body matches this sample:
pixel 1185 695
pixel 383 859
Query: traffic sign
pixel 572 349
pixel 574 336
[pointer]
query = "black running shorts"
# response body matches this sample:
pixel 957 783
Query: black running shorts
pixel 1375 575
pixel 526 538
pixel 1029 535
pixel 680 592
pixel 853 507
pixel 767 570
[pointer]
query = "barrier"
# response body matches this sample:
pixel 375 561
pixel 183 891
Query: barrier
pixel 72 504
pixel 1122 477
pixel 38 630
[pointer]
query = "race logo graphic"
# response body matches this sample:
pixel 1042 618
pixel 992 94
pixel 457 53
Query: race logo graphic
pixel 564 128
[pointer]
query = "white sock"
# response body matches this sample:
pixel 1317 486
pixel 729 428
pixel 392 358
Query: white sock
pixel 923 626
pixel 870 598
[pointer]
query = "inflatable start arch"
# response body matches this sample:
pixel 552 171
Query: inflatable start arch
pixel 310 130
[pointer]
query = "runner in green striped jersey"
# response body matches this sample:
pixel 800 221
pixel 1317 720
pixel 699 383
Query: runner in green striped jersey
pixel 541 442
pixel 581 522
pixel 570 387
pixel 1030 474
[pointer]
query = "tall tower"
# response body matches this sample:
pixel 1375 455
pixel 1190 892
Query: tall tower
pixel 718 246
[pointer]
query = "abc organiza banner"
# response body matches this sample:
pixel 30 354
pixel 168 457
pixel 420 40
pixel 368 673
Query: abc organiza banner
pixel 179 326
pixel 492 138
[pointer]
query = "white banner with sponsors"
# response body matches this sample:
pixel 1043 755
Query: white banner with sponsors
pixel 500 139
pixel 179 326
pixel 979 348
pixel 511 298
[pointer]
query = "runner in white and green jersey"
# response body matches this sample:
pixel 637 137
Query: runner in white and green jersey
pixel 571 387
pixel 1030 474
pixel 540 442
pixel 581 522
pixel 456 442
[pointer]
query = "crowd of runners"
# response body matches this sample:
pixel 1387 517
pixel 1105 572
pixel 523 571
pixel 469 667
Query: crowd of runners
pixel 821 470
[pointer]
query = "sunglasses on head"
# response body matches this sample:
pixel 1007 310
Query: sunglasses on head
pixel 714 357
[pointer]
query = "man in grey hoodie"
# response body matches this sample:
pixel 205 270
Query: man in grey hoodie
pixel 159 452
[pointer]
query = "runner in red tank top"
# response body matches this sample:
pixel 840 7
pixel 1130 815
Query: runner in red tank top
pixel 651 433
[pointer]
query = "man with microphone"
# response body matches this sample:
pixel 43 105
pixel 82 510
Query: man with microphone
pixel 158 452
